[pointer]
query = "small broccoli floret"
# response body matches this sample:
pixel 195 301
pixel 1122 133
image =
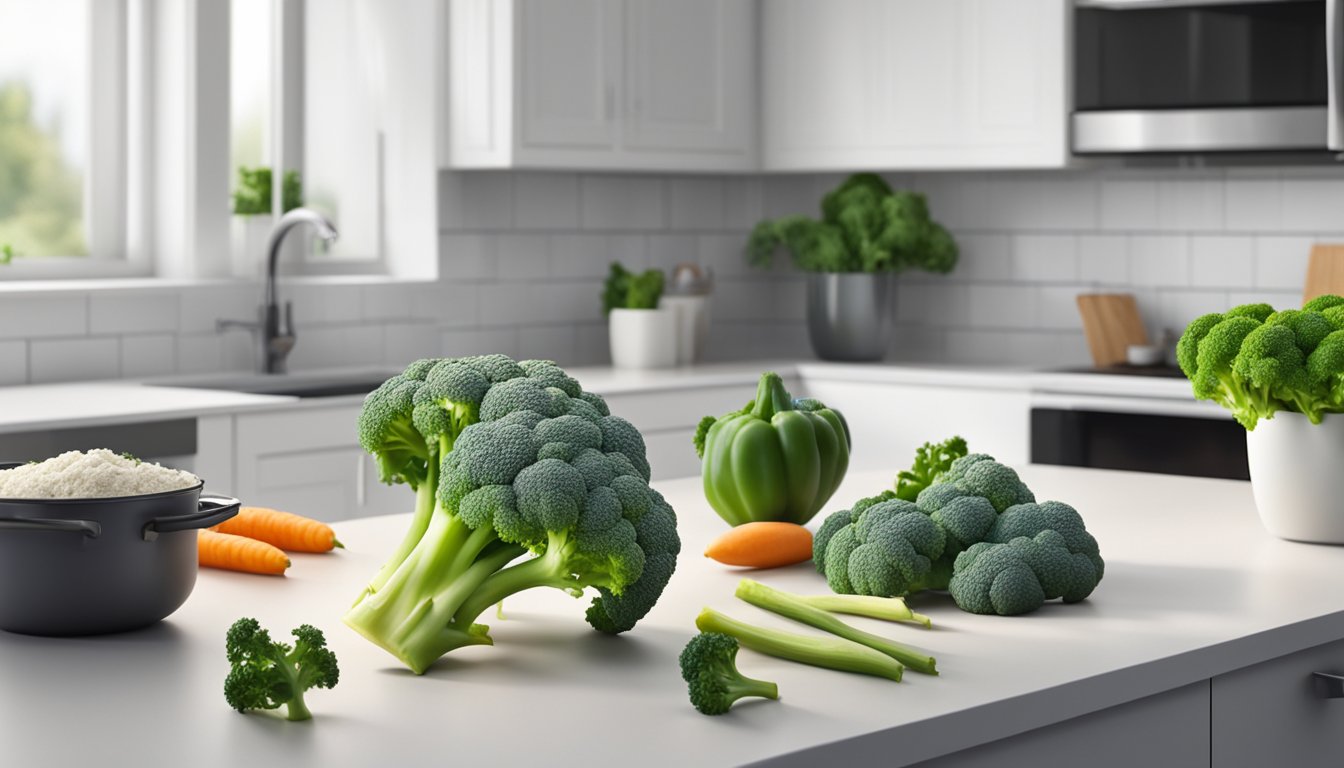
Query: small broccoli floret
pixel 1325 370
pixel 1020 575
pixel 1271 364
pixel 1258 312
pixel 266 674
pixel 1213 378
pixel 709 667
pixel 980 475
pixel 931 461
pixel 1187 348
pixel 1323 302
pixel 888 550
pixel 1028 520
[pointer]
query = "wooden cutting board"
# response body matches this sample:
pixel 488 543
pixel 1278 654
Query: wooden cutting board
pixel 1111 322
pixel 1325 271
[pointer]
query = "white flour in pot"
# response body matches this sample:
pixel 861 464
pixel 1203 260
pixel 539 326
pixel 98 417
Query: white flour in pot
pixel 98 474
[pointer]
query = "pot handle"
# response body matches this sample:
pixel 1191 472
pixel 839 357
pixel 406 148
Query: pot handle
pixel 211 511
pixel 87 527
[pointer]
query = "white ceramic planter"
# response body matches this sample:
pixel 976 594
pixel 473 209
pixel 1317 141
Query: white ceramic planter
pixel 643 338
pixel 1296 477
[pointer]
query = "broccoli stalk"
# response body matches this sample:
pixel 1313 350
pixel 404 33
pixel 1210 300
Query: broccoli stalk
pixel 267 674
pixel 709 667
pixel 885 608
pixel 517 460
pixel 790 606
pixel 829 652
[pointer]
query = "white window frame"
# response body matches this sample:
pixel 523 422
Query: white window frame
pixel 117 105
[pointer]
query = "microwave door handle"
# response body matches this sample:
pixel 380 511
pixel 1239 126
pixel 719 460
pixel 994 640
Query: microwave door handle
pixel 1334 53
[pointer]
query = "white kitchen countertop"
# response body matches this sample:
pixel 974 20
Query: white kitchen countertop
pixel 47 406
pixel 1194 587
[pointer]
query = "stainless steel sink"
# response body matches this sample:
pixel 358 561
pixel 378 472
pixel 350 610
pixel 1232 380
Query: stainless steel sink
pixel 292 384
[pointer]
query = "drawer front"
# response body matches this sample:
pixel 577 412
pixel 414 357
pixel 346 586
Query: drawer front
pixel 1270 714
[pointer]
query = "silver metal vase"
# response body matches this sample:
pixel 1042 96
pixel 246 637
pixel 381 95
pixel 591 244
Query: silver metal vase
pixel 849 314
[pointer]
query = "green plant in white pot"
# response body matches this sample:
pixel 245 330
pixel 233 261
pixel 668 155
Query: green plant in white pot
pixel 1281 374
pixel 867 232
pixel 642 334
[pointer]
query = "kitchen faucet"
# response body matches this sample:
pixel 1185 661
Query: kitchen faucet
pixel 276 342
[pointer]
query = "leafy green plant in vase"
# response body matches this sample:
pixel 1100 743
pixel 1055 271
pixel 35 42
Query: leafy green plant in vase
pixel 252 215
pixel 642 334
pixel 1281 374
pixel 867 232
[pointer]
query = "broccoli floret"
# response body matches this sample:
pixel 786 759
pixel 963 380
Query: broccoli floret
pixel 1187 348
pixel 1030 519
pixel 980 475
pixel 1258 312
pixel 887 549
pixel 1325 370
pixel 528 464
pixel 266 674
pixel 931 461
pixel 1213 379
pixel 709 667
pixel 1020 575
pixel 1323 302
pixel 1272 367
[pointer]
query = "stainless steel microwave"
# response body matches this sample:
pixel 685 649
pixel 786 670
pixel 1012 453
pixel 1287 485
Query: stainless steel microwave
pixel 1155 76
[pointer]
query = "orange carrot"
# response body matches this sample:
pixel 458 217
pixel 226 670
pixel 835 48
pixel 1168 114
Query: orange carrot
pixel 239 553
pixel 288 531
pixel 762 545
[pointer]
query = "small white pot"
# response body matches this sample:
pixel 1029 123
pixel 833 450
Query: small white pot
pixel 643 338
pixel 1296 477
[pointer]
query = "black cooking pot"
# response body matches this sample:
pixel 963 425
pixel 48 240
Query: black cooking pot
pixel 92 566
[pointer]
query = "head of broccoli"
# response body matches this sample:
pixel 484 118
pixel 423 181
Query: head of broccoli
pixel 1019 575
pixel 266 674
pixel 521 465
pixel 709 667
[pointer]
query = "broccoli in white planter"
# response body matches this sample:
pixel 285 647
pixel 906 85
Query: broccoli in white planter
pixel 1281 374
pixel 642 335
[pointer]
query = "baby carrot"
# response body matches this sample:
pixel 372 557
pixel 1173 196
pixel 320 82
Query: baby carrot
pixel 288 531
pixel 762 545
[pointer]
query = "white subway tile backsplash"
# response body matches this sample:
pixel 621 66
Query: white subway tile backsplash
pixel 1128 205
pixel 726 255
pixel 696 203
pixel 42 316
pixel 667 251
pixel 1252 205
pixel 1313 205
pixel 404 343
pixel 466 257
pixel 199 309
pixel 387 302
pixel 144 356
pixel 1190 205
pixel 1045 258
pixel 502 304
pixel 983 257
pixel 622 203
pixel 51 360
pixel 546 342
pixel 591 345
pixel 1276 299
pixel 1002 306
pixel 1281 262
pixel 521 257
pixel 122 312
pixel 1175 309
pixel 743 203
pixel 1222 261
pixel 579 256
pixel 1159 260
pixel 321 305
pixel 789 195
pixel 336 346
pixel 485 200
pixel 546 201
pixel 456 343
pixel 630 250
pixel 201 353
pixel 1057 307
pixel 450 304
pixel 1103 259
pixel 13 363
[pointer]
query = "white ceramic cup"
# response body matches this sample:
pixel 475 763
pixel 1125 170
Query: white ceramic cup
pixel 692 325
pixel 1296 478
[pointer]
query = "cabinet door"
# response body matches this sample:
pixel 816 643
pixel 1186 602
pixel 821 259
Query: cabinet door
pixel 307 461
pixel 689 75
pixel 569 61
pixel 897 84
pixel 1272 714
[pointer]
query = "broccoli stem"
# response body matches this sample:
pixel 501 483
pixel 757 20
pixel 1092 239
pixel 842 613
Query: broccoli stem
pixel 885 608
pixel 424 512
pixel 297 708
pixel 829 652
pixel 548 570
pixel 788 605
pixel 742 687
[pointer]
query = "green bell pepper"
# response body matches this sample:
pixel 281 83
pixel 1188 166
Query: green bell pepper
pixel 778 459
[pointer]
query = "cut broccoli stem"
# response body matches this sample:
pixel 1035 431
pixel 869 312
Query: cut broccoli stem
pixel 829 652
pixel 549 570
pixel 787 605
pixel 746 686
pixel 885 608
pixel 297 708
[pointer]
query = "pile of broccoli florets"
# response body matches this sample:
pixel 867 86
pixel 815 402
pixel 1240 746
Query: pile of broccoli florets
pixel 507 459
pixel 1255 361
pixel 976 531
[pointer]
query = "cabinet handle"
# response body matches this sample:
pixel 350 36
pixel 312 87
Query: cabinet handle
pixel 359 481
pixel 1328 686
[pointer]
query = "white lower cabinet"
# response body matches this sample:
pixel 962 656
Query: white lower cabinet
pixel 1272 714
pixel 888 421
pixel 308 461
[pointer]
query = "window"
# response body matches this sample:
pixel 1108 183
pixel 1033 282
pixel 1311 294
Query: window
pixel 64 194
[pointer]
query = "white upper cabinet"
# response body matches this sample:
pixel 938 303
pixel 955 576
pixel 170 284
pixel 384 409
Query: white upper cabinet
pixel 602 84
pixel 914 84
